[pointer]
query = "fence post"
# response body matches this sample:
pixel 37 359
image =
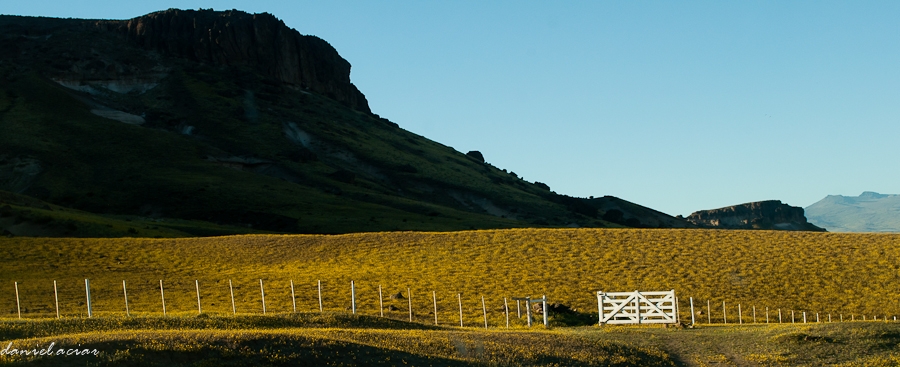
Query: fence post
pixel 409 302
pixel 754 314
pixel 434 298
pixel 804 317
pixel 724 315
pixel 528 310
pixel 546 310
pixel 262 292
pixel 87 292
pixel 506 310
pixel 767 314
pixel 197 286
pixel 380 301
pixel 231 290
pixel 353 297
pixel 320 296
pixel 125 291
pixel 599 308
pixel 708 313
pixel 293 297
pixel 56 298
pixel 459 298
pixel 18 305
pixel 162 294
pixel 779 315
pixel 484 312
pixel 692 310
pixel 740 315
pixel 519 308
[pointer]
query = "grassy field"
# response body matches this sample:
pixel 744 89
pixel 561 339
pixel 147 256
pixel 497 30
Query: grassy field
pixel 345 340
pixel 825 273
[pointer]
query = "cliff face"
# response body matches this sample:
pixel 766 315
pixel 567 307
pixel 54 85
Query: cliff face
pixel 236 38
pixel 770 214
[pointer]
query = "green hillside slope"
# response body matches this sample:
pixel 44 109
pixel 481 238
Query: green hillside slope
pixel 92 120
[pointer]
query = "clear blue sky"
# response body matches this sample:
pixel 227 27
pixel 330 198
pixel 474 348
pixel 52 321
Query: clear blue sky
pixel 679 106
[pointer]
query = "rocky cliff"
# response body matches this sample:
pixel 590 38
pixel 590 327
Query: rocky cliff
pixel 235 38
pixel 770 214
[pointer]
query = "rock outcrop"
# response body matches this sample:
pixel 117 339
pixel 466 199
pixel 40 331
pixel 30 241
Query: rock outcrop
pixel 770 214
pixel 236 38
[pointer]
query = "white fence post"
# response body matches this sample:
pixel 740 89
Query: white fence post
pixel 434 299
pixel 724 315
pixel 231 290
pixel 545 309
pixel 380 301
pixel 409 302
pixel 459 298
pixel 87 292
pixel 293 298
pixel 262 292
pixel 506 309
pixel 708 313
pixel 18 305
pixel 484 312
pixel 125 291
pixel 162 294
pixel 353 297
pixel 528 310
pixel 197 286
pixel 740 315
pixel 56 298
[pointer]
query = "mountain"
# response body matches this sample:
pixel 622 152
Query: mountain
pixel 185 122
pixel 868 212
pixel 770 214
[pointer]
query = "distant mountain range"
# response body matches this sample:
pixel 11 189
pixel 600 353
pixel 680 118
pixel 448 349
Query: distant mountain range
pixel 868 212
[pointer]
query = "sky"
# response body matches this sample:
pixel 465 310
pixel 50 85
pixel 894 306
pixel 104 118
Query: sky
pixel 677 106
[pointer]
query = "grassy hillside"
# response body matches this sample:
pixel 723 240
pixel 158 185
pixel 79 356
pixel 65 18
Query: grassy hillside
pixel 840 274
pixel 92 122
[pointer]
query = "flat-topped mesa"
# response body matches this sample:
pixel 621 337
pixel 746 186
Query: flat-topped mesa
pixel 770 214
pixel 237 38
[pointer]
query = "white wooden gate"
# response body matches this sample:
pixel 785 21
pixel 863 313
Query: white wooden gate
pixel 637 307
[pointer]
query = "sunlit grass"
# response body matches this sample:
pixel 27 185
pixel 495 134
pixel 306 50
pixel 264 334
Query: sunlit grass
pixel 825 273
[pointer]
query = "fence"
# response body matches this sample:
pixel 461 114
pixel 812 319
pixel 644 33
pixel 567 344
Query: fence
pixel 201 297
pixel 280 297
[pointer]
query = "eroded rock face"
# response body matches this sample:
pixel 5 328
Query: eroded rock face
pixel 236 38
pixel 770 214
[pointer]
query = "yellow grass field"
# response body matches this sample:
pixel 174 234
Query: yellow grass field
pixel 825 273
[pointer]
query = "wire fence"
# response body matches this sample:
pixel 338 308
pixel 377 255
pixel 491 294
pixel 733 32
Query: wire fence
pixel 279 297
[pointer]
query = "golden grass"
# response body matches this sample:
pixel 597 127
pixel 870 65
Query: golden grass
pixel 182 341
pixel 837 273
